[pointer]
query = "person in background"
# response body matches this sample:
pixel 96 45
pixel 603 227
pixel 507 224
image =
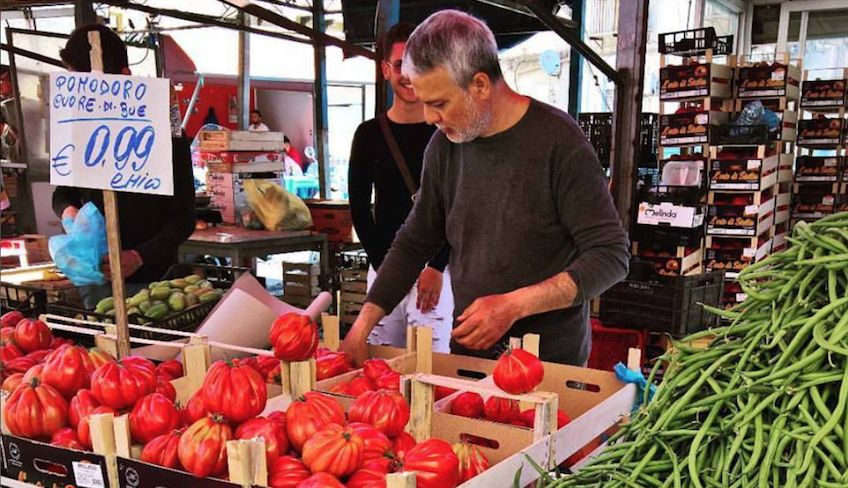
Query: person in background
pixel 294 154
pixel 517 191
pixel 152 226
pixel 375 166
pixel 256 124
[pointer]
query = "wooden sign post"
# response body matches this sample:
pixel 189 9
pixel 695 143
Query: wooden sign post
pixel 103 135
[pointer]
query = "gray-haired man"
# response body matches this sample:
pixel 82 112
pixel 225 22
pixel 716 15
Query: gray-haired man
pixel 517 192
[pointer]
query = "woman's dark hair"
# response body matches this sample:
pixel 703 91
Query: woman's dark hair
pixel 76 52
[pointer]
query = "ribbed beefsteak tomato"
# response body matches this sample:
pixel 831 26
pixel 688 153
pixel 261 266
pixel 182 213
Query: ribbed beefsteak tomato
pixel 11 319
pixel 162 450
pixel 35 410
pixel 472 461
pixel 321 480
pixel 374 368
pixel 287 472
pixel 334 449
pixel 402 444
pixel 234 391
pixel 100 357
pixel 528 417
pixel 376 443
pixel 120 385
pixel 367 478
pixel 66 437
pixel 81 406
pixel 171 369
pixel 274 434
pixel 203 446
pixel 501 410
pixel 390 380
pixel 294 337
pixel 164 386
pixel 309 414
pixel 468 404
pixel 386 410
pixel 195 408
pixel 32 335
pixel 153 415
pixel 84 427
pixel 518 371
pixel 11 382
pixel 330 364
pixel 435 464
pixel 68 369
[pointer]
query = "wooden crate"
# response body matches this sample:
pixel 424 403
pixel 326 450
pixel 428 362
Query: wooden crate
pixel 301 283
pixel 236 140
pixel 353 289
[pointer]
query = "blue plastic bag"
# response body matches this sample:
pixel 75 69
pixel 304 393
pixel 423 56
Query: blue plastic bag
pixel 78 254
pixel 626 375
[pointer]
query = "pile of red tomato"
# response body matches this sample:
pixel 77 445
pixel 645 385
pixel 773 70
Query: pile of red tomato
pixel 55 386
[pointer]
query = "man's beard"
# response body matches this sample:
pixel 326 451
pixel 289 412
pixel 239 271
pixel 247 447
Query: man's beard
pixel 479 118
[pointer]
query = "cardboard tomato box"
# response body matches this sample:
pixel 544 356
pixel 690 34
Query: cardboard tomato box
pixel 695 81
pixel 41 464
pixel 818 94
pixel 813 201
pixel 732 214
pixel 768 80
pixel 688 128
pixel 818 168
pixel 820 131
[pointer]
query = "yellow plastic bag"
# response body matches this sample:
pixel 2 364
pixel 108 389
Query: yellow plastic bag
pixel 276 208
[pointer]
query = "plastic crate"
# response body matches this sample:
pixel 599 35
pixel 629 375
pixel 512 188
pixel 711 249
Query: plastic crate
pixel 666 304
pixel 695 41
pixel 610 345
pixel 598 129
pixel 27 300
pixel 739 135
pixel 186 321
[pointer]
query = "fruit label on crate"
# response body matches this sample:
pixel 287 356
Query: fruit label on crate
pixel 755 163
pixel 667 214
pixel 749 252
pixel 111 132
pixel 88 475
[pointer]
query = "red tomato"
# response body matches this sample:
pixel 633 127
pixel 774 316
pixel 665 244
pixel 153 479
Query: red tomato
pixel 39 356
pixel 274 434
pixel 35 410
pixel 472 461
pixel 468 404
pixel 67 438
pixel 32 335
pixel 202 449
pixel 9 352
pixel 84 429
pixel 359 385
pixel 164 386
pixel 294 337
pixel 152 416
pixel 34 373
pixel 435 464
pixel 68 369
pixel 518 371
pixel 279 417
pixel 287 472
pixel 236 392
pixel 7 336
pixel 309 414
pixel 11 382
pixel 442 391
pixel 120 385
pixel 100 357
pixel 384 464
pixel 321 480
pixel 19 365
pixel 331 364
pixel 374 368
pixel 82 404
pixel 11 319
pixel 140 361
pixel 170 370
pixel 402 443
pixel 334 449
pixel 386 410
pixel 390 380
pixel 266 364
pixel 528 417
pixel 275 376
pixel 376 443
pixel 367 478
pixel 195 409
pixel 501 410
pixel 162 450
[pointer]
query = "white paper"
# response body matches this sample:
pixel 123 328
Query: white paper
pixel 666 213
pixel 88 475
pixel 111 132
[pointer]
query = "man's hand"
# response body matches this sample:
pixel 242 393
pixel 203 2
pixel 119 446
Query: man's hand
pixel 429 289
pixel 130 263
pixel 355 343
pixel 486 320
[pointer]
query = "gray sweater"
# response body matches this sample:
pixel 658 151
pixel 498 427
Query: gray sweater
pixel 516 208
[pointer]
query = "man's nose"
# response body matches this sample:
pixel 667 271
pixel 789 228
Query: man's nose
pixel 431 116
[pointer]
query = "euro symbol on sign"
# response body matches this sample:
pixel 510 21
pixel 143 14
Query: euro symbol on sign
pixel 60 161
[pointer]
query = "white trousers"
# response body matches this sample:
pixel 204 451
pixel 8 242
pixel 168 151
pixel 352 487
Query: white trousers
pixel 391 331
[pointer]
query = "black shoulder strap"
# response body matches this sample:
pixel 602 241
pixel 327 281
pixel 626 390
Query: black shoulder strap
pixel 397 155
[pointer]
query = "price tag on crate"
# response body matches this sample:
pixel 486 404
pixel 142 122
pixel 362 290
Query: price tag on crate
pixel 110 132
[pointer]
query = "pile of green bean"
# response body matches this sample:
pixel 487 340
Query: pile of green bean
pixel 766 403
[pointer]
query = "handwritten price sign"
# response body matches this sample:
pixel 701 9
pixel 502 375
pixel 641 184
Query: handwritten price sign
pixel 110 132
